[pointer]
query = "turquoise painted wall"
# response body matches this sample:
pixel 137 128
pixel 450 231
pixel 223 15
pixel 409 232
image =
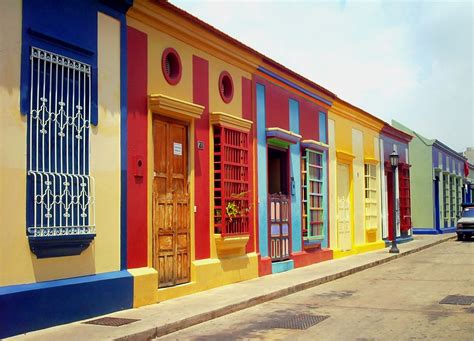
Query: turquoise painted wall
pixel 262 172
pixel 295 173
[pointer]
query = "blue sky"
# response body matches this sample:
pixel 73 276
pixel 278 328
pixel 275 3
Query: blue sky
pixel 407 60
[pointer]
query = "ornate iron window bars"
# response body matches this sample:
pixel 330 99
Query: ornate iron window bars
pixel 61 203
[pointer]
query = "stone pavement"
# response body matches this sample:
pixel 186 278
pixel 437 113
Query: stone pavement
pixel 176 314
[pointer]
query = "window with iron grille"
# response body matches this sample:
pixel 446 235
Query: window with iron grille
pixel 455 209
pixel 312 177
pixel 370 180
pixel 60 197
pixel 404 189
pixel 231 181
pixel 460 195
pixel 446 197
pixel 453 196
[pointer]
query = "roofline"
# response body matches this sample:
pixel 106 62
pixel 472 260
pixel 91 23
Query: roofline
pixel 361 110
pixel 395 133
pixel 447 149
pixel 224 36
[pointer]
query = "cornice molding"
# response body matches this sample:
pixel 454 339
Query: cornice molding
pixel 371 161
pixel 230 121
pixel 342 155
pixel 168 22
pixel 316 145
pixel 356 116
pixel 276 130
pixel 174 107
pixel 396 134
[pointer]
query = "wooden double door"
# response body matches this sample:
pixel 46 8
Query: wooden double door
pixel 171 214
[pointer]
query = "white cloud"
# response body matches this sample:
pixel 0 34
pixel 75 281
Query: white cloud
pixel 412 61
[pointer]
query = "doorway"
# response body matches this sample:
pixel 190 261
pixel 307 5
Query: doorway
pixel 171 256
pixel 279 204
pixel 343 208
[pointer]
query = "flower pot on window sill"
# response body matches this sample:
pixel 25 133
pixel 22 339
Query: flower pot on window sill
pixel 231 245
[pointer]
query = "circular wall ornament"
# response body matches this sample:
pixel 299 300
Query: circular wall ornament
pixel 226 87
pixel 171 66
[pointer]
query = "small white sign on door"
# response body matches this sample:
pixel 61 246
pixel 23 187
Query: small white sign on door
pixel 177 148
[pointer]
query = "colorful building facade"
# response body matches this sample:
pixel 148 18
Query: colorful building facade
pixel 154 157
pixel 292 169
pixel 393 139
pixel 191 155
pixel 355 183
pixel 438 181
pixel 61 115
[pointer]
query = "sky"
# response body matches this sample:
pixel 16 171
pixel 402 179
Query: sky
pixel 411 61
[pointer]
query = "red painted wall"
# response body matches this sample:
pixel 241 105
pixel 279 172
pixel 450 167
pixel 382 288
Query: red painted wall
pixel 201 158
pixel 137 149
pixel 247 114
pixel 309 120
pixel 277 106
pixel 254 151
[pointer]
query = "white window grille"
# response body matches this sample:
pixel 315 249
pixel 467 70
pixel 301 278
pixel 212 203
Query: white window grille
pixel 60 189
pixel 371 209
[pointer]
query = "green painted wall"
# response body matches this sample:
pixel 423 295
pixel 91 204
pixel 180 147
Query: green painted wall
pixel 421 179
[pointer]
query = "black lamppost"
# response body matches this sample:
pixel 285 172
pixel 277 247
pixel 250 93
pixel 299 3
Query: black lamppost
pixel 394 164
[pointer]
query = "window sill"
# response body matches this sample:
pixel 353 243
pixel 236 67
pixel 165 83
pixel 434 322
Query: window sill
pixel 311 244
pixel 231 245
pixel 60 246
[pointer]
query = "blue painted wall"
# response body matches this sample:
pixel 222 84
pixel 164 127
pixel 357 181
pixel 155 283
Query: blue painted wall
pixel 69 28
pixel 295 173
pixel 323 127
pixel 262 172
pixel 36 306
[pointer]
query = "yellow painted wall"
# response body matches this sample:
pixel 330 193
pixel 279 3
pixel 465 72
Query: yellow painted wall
pixel 332 185
pixel 105 147
pixel 157 84
pixel 358 185
pixel 356 133
pixel 214 271
pixel 12 160
pixel 17 264
pixel 376 144
pixel 158 41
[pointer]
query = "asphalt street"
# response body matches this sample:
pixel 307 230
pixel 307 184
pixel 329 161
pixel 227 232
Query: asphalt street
pixel 399 300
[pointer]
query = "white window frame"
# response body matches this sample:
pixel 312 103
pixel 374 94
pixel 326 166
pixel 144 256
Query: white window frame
pixel 370 197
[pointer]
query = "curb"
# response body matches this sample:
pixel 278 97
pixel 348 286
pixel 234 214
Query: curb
pixel 210 315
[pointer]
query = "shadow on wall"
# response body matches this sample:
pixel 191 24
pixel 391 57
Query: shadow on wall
pixel 46 269
pixel 234 263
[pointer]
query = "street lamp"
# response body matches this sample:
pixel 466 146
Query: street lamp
pixel 394 164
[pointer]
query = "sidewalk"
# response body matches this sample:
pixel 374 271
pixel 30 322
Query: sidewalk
pixel 176 314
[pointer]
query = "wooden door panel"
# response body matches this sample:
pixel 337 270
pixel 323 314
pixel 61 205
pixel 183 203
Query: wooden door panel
pixel 161 155
pixel 179 164
pixel 343 209
pixel 166 269
pixel 279 227
pixel 170 203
